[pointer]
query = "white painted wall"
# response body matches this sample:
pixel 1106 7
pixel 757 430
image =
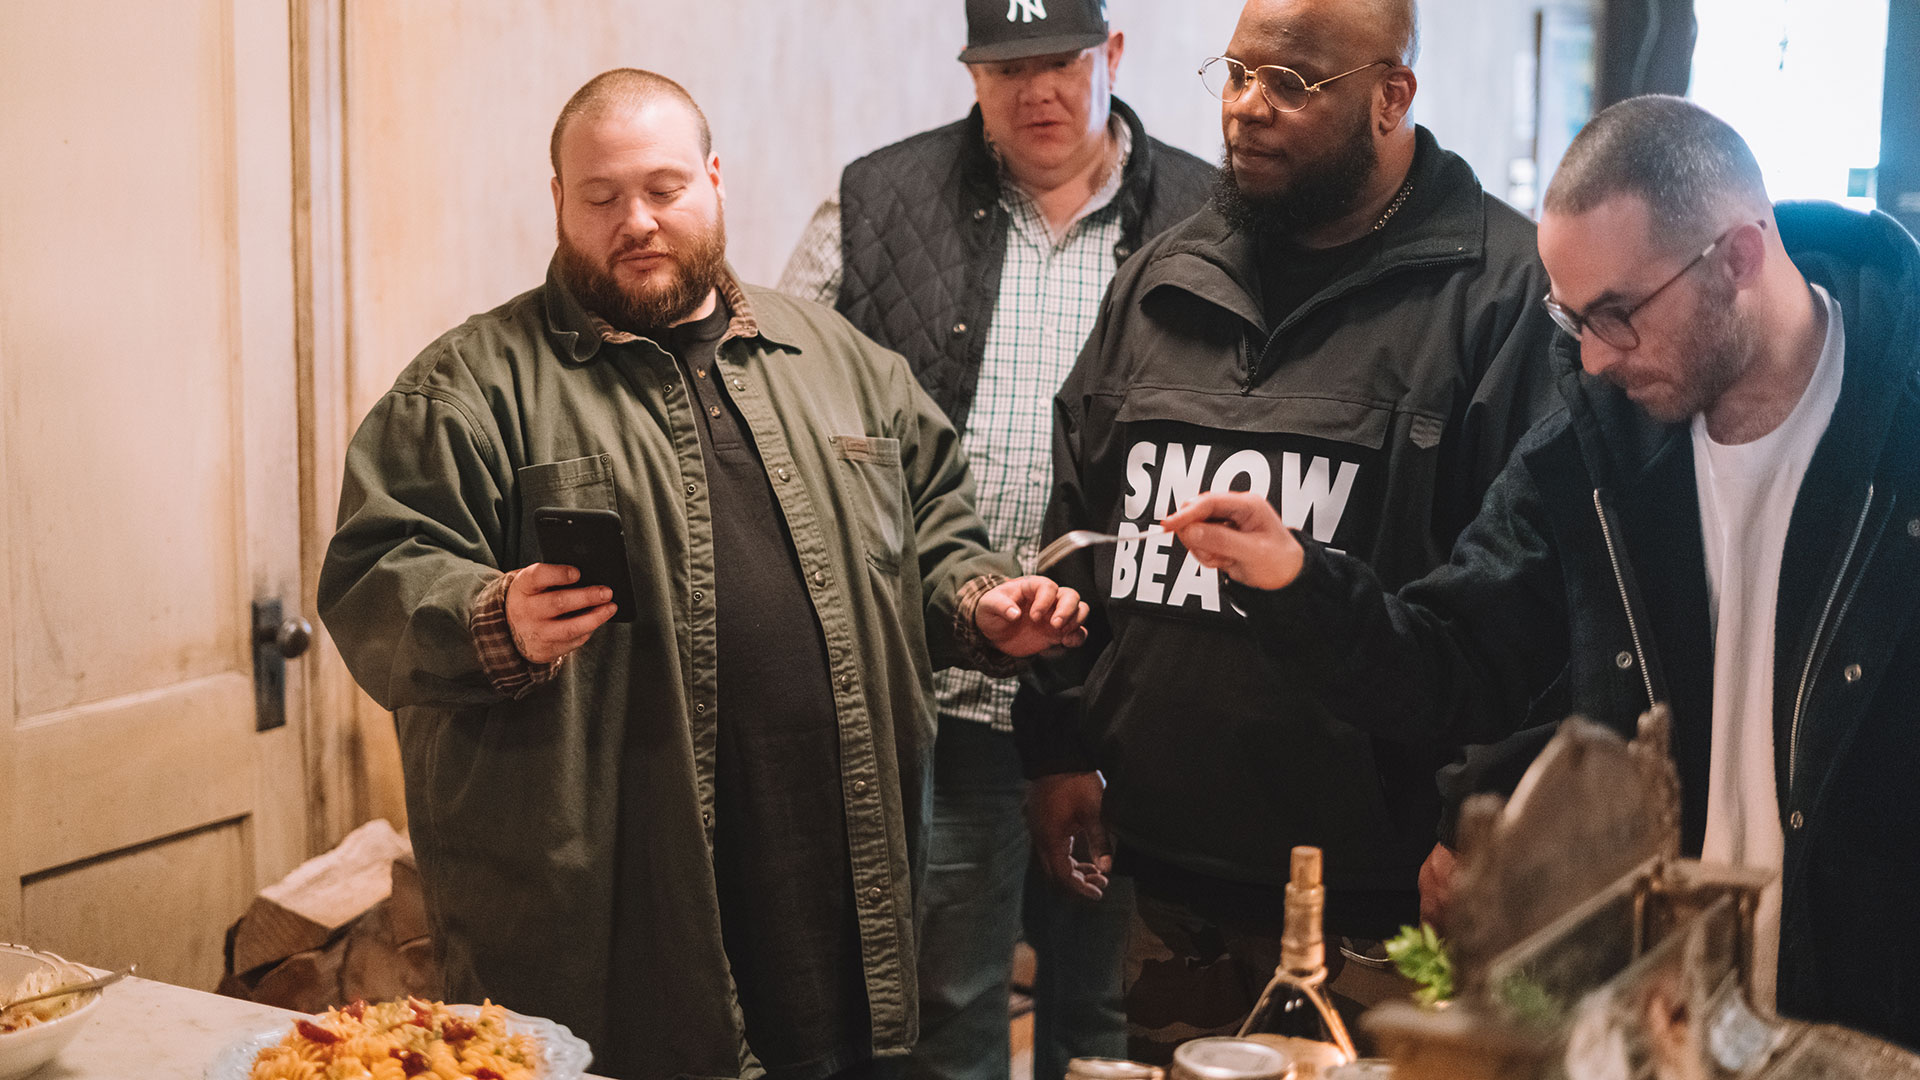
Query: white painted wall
pixel 1466 71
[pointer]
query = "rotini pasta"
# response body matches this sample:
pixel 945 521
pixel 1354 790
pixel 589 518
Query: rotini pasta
pixel 399 1040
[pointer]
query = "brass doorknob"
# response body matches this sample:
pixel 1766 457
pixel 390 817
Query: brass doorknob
pixel 291 637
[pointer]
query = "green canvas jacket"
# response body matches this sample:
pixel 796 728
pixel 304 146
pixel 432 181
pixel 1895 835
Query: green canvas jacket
pixel 512 803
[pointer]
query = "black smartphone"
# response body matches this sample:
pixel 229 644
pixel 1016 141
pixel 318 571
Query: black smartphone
pixel 592 542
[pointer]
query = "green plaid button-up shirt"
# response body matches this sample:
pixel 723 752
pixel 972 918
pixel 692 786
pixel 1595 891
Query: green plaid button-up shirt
pixel 1050 292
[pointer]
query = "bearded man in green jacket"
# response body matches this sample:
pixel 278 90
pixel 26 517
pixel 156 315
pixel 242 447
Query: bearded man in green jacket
pixel 692 837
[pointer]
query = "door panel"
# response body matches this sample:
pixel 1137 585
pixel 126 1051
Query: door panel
pixel 163 763
pixel 149 474
pixel 119 320
pixel 79 911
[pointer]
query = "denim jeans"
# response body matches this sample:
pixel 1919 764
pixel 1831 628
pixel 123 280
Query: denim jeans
pixel 983 892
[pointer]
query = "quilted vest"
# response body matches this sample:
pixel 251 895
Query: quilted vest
pixel 923 237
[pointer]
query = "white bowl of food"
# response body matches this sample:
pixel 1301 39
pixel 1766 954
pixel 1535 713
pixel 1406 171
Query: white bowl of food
pixel 32 1034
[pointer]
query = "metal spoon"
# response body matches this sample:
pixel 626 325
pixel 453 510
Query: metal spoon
pixel 73 988
pixel 1068 543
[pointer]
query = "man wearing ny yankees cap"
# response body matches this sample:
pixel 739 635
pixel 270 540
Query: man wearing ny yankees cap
pixel 980 251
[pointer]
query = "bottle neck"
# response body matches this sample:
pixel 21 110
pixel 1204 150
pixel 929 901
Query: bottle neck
pixel 1302 948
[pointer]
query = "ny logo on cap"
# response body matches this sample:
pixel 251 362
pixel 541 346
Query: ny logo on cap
pixel 1026 10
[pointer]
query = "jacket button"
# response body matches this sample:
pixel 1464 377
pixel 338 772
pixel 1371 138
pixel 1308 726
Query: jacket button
pixel 1852 673
pixel 846 682
pixel 782 473
pixel 1797 820
pixel 691 489
pixel 700 707
pixel 980 213
pixel 959 328
pixel 698 595
pixel 819 577
pixel 1913 528
pixel 738 385
pixel 1123 251
pixel 706 817
pixel 874 894
pixel 859 787
pixel 1624 660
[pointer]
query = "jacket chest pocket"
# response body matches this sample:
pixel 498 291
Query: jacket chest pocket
pixel 1321 462
pixel 582 483
pixel 873 491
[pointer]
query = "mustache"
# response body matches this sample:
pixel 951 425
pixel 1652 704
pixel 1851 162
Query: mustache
pixel 634 247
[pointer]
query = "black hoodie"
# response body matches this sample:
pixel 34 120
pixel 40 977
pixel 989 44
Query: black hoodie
pixel 1527 623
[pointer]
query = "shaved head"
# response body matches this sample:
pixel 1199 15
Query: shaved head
pixel 1356 29
pixel 622 90
pixel 1400 22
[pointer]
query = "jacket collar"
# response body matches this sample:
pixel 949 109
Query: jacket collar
pixel 578 333
pixel 1871 266
pixel 1444 221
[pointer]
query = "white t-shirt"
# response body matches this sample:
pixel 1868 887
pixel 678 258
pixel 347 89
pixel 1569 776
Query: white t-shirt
pixel 1746 500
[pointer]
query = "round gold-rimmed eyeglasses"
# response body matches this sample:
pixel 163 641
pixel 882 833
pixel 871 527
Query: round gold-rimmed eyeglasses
pixel 1283 88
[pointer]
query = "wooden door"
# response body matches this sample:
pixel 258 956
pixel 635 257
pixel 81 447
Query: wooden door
pixel 149 474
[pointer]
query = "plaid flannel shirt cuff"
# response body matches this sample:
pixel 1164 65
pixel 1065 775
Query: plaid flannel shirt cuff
pixel 509 672
pixel 976 652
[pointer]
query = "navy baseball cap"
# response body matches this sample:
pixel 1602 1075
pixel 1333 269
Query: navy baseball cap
pixel 1016 29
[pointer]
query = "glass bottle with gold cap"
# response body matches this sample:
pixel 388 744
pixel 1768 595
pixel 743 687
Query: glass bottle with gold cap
pixel 1294 1005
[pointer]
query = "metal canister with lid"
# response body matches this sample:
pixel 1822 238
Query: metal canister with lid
pixel 1312 1060
pixel 1103 1068
pixel 1229 1058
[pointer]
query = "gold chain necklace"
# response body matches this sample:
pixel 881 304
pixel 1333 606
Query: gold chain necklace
pixel 1399 198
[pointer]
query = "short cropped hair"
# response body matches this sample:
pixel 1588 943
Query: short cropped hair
pixel 1685 163
pixel 624 88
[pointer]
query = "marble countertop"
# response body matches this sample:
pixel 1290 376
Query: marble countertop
pixel 155 1031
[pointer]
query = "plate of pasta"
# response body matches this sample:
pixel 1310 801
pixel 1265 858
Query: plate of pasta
pixel 398 1040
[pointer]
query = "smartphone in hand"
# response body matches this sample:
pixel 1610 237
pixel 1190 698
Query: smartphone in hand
pixel 592 542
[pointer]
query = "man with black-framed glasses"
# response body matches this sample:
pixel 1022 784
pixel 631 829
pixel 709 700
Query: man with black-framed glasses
pixel 1609 318
pixel 1352 328
pixel 1724 517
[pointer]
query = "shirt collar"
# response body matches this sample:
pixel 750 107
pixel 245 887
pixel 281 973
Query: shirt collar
pixel 1015 197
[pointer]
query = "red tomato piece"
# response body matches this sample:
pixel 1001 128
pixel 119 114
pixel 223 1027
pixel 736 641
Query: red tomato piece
pixel 314 1032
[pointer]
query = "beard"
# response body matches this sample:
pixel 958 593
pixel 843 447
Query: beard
pixel 1716 348
pixel 1326 188
pixel 691 271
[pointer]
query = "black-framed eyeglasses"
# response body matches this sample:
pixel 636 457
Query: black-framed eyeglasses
pixel 1613 323
pixel 1283 88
